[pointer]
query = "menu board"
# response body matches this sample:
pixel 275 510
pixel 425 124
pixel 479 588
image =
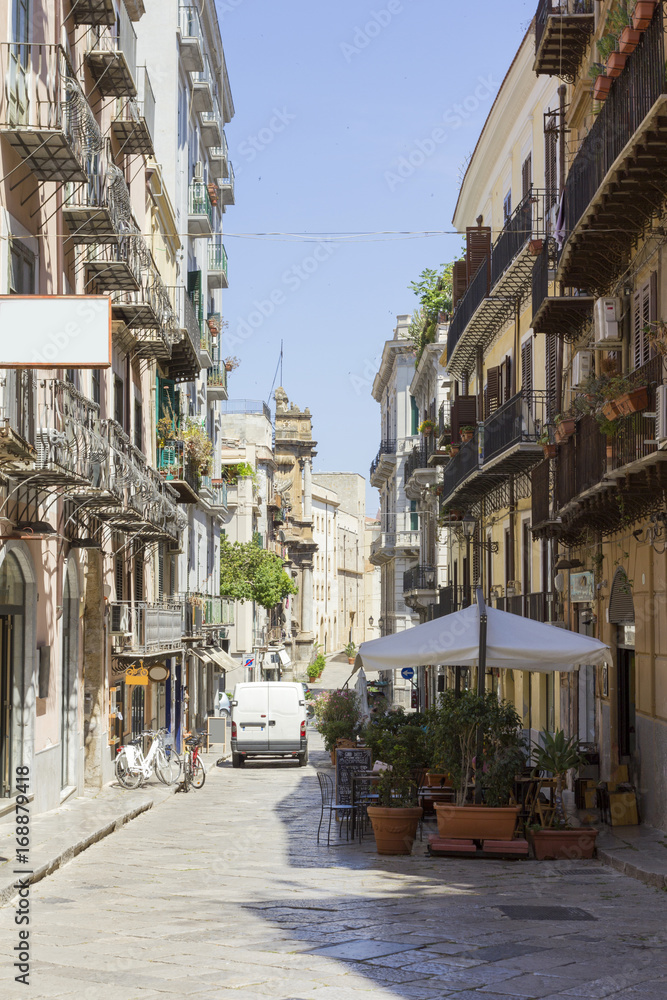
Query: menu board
pixel 349 762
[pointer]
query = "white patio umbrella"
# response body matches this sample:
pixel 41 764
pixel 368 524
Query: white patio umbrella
pixel 512 642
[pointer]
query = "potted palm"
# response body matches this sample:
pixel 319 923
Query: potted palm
pixel 557 756
pixel 350 651
pixel 454 730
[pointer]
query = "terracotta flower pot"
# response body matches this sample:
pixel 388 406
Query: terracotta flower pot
pixel 564 430
pixel 454 450
pixel 602 87
pixel 643 14
pixel 466 436
pixel 228 368
pixel 634 401
pixel 476 822
pixel 395 829
pixel 611 409
pixel 535 247
pixel 550 450
pixel 629 39
pixel 610 454
pixel 564 844
pixel 350 659
pixel 616 63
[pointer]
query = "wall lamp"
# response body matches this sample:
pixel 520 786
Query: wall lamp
pixel 654 532
pixel 469 523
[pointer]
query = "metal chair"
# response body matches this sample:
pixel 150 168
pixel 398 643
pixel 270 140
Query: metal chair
pixel 363 795
pixel 329 804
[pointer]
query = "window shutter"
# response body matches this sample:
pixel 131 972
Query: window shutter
pixel 505 387
pixel 526 176
pixel 195 293
pixel 494 398
pixel 551 161
pixel 139 577
pixel 527 367
pixel 643 313
pixel 119 578
pixel 160 571
pixel 551 352
pixel 478 246
pixel 459 280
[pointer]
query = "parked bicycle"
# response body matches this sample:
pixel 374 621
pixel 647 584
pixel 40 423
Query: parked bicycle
pixel 133 768
pixel 194 772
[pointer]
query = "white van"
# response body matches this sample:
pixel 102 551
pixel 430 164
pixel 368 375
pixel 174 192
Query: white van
pixel 269 720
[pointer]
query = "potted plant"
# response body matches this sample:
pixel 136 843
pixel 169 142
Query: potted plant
pixel 557 756
pixel 466 432
pixel 535 247
pixel 629 39
pixel 633 401
pixel 642 14
pixel 426 427
pixel 231 363
pixel 601 82
pixel 454 728
pixel 350 652
pixel 565 427
pixel 396 816
pixel 549 448
pixel 454 449
pixel 339 718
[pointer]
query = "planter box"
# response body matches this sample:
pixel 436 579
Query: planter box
pixel 535 247
pixel 633 402
pixel 563 844
pixel 550 450
pixel 476 822
pixel 629 39
pixel 643 14
pixel 611 409
pixel 395 829
pixel 616 63
pixel 466 436
pixel 602 87
pixel 436 780
pixel 564 430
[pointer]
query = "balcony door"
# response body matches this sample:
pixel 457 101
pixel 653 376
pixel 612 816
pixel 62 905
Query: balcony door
pixel 19 53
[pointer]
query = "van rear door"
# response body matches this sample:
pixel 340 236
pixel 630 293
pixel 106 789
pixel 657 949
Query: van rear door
pixel 251 715
pixel 285 714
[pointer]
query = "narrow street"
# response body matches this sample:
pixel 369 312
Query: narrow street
pixel 224 893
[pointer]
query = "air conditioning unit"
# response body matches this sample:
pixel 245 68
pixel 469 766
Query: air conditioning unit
pixel 607 321
pixel 661 416
pixel 120 620
pixel 175 548
pixel 582 368
pixel 199 171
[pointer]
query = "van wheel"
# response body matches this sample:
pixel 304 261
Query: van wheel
pixel 303 759
pixel 237 760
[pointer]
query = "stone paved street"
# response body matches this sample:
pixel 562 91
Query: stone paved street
pixel 223 894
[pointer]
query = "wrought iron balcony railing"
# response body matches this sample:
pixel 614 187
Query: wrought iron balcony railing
pixel 419 578
pixel 417 459
pixel 112 56
pixel 216 380
pixel 539 606
pixel 227 186
pixel 200 210
pixel 133 127
pixel 149 627
pixel 217 265
pixel 190 38
pixel 562 33
pixel 388 447
pixel 99 210
pixel 519 421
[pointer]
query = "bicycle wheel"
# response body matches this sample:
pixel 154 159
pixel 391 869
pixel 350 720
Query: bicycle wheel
pixel 175 757
pixel 128 775
pixel 187 771
pixel 198 774
pixel 165 768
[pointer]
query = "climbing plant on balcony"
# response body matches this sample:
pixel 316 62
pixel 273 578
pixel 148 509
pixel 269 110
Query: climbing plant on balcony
pixel 434 291
pixel 198 445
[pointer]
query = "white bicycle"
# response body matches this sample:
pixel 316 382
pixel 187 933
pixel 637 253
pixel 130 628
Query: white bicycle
pixel 133 768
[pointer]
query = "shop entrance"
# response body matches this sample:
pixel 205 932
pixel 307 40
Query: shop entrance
pixel 12 600
pixel 68 690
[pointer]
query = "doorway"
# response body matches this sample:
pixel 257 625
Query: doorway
pixel 12 602
pixel 6 696
pixel 68 688
pixel 625 665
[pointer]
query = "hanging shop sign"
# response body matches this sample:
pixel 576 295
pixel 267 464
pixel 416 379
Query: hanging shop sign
pixel 136 675
pixel 56 331
pixel 158 672
pixel 582 588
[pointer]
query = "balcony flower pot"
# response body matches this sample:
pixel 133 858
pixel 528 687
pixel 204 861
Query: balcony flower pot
pixel 616 63
pixel 454 450
pixel 643 14
pixel 535 247
pixel 564 429
pixel 476 822
pixel 550 450
pixel 602 87
pixel 563 844
pixel 466 436
pixel 611 409
pixel 395 829
pixel 629 39
pixel 228 367
pixel 610 455
pixel 634 401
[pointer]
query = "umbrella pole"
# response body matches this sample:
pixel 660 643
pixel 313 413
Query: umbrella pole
pixel 481 688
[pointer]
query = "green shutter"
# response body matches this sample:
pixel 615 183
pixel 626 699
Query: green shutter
pixel 415 415
pixel 414 516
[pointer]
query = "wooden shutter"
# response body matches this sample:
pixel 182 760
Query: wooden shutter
pixel 526 176
pixel 464 411
pixel 493 390
pixel 552 357
pixel 551 160
pixel 119 578
pixel 478 246
pixel 643 313
pixel 459 280
pixel 505 388
pixel 527 367
pixel 139 577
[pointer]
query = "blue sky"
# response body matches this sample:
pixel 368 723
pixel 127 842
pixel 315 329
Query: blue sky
pixel 336 107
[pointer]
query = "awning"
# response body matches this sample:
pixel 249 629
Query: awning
pixel 222 659
pixel 203 654
pixel 284 657
pixel 512 643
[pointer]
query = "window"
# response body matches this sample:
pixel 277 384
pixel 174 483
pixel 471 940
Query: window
pixel 118 400
pixel 414 516
pixel 507 207
pixel 138 421
pixel 139 577
pixel 414 416
pixel 551 160
pixel 527 367
pixel 21 270
pixel 526 176
pixel 527 551
pixel 645 313
pixel 96 385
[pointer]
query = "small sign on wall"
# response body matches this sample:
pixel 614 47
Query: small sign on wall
pixel 56 331
pixel 582 588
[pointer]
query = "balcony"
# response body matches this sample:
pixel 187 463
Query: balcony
pixel 544 523
pixel 17 421
pixel 133 128
pixel 44 115
pixel 200 210
pixel 214 492
pixel 217 265
pixel 143 628
pixel 385 463
pixel 94 12
pixel 634 443
pixel 391 544
pixel 203 89
pixel 565 315
pixel 218 158
pixel 418 471
pixel 190 39
pixel 459 484
pixel 420 578
pixel 623 154
pixel 111 267
pixel 179 471
pixel 247 406
pixel 227 187
pixel 99 210
pixel 540 606
pixel 563 30
pixel 205 346
pixel 135 9
pixel 111 57
pixel 185 363
pixel 216 382
pixel 445 423
pixel 148 311
pixel 501 284
pixel 211 126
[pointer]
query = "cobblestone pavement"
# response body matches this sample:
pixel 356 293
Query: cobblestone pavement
pixel 223 894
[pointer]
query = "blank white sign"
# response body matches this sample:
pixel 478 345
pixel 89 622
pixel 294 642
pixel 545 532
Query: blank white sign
pixel 55 331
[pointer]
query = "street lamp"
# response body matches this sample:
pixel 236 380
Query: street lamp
pixel 371 621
